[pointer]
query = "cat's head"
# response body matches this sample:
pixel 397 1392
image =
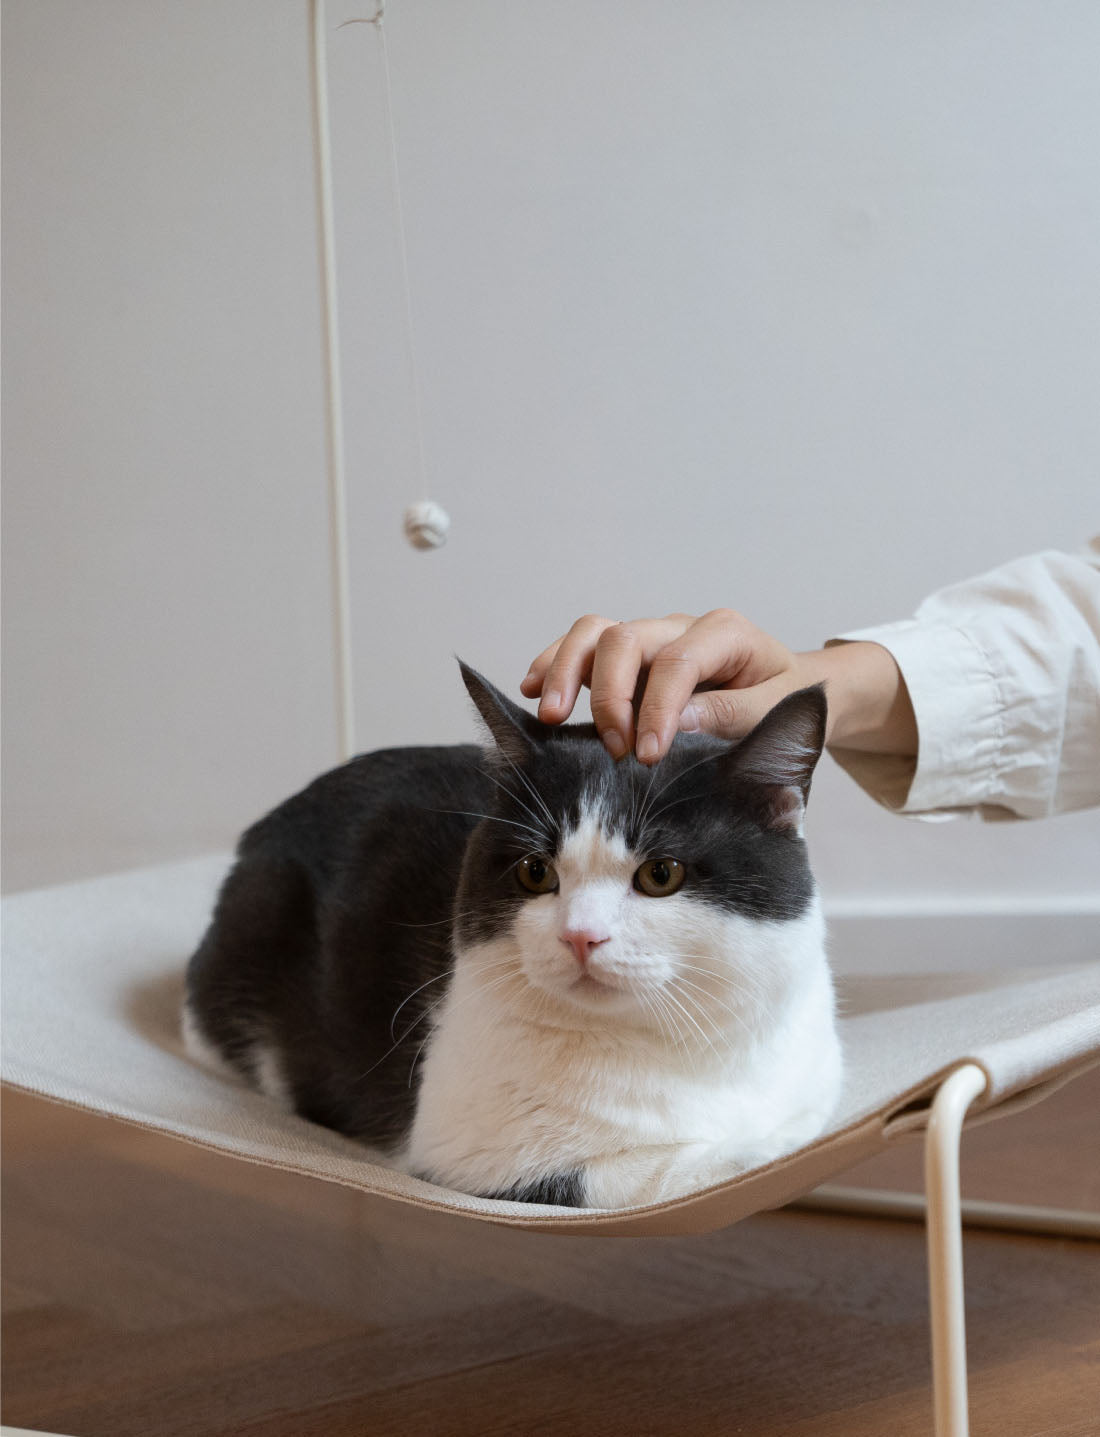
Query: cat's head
pixel 676 898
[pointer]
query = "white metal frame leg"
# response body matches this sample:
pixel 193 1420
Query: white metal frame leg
pixel 945 1271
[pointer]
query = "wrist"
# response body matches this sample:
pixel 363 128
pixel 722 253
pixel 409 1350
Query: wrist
pixel 869 705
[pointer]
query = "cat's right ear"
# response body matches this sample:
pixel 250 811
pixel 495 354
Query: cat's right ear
pixel 515 731
pixel 773 764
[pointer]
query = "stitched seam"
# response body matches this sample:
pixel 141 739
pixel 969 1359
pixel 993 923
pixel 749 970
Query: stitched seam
pixel 1000 758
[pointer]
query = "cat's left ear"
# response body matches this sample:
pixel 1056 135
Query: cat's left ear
pixel 515 731
pixel 773 764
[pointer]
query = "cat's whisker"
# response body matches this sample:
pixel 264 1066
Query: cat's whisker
pixel 485 966
pixel 692 1054
pixel 669 1026
pixel 669 1032
pixel 416 1059
pixel 490 906
pixel 532 790
pixel 647 816
pixel 712 1000
pixel 650 795
pixel 491 818
pixel 647 798
pixel 653 999
pixel 482 989
pixel 704 1010
pixel 535 819
pixel 723 973
pixel 416 1022
pixel 672 998
pixel 746 884
pixel 636 795
pixel 410 996
pixel 755 993
pixel 653 816
pixel 434 923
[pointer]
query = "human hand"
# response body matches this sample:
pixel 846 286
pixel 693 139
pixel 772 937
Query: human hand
pixel 719 674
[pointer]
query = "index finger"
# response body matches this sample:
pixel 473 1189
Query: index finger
pixel 712 651
pixel 623 655
pixel 560 670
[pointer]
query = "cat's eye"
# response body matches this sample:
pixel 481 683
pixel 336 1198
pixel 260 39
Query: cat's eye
pixel 537 874
pixel 659 877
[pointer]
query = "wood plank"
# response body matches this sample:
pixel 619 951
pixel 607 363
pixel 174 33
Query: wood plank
pixel 154 1287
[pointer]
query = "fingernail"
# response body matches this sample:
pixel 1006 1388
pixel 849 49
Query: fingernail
pixel 551 701
pixel 689 719
pixel 615 744
pixel 527 678
pixel 647 746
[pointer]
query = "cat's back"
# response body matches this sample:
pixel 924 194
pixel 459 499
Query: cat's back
pixel 376 842
pixel 396 795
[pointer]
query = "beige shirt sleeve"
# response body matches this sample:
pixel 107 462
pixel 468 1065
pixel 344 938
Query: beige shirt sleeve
pixel 1004 674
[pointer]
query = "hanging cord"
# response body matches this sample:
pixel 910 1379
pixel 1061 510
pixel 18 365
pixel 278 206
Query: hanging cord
pixel 338 505
pixel 337 486
pixel 377 20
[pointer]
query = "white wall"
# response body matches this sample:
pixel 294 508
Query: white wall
pixel 790 307
pixel 167 668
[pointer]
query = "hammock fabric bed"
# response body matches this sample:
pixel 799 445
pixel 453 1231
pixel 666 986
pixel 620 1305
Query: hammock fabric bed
pixel 93 980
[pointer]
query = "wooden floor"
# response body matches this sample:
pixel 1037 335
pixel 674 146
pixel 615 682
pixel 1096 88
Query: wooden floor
pixel 154 1289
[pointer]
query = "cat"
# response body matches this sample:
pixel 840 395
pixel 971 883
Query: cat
pixel 531 972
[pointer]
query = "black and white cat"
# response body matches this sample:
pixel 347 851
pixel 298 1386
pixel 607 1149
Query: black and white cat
pixel 532 972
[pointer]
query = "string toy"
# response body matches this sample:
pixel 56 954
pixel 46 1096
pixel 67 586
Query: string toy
pixel 425 522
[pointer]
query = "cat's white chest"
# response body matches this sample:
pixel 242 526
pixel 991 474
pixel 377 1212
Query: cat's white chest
pixel 505 1101
pixel 501 1101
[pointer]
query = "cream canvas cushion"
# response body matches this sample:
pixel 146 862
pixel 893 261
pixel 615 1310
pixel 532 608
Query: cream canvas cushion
pixel 92 986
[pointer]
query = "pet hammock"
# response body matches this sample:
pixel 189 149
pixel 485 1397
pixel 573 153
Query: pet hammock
pixel 94 979
pixel 92 990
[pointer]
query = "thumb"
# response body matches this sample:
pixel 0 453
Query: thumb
pixel 732 713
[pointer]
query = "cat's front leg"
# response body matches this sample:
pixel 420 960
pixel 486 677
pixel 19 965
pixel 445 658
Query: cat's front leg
pixel 640 1176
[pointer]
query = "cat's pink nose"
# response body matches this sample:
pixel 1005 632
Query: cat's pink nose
pixel 582 941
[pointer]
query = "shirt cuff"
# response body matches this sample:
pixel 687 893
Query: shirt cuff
pixel 960 717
